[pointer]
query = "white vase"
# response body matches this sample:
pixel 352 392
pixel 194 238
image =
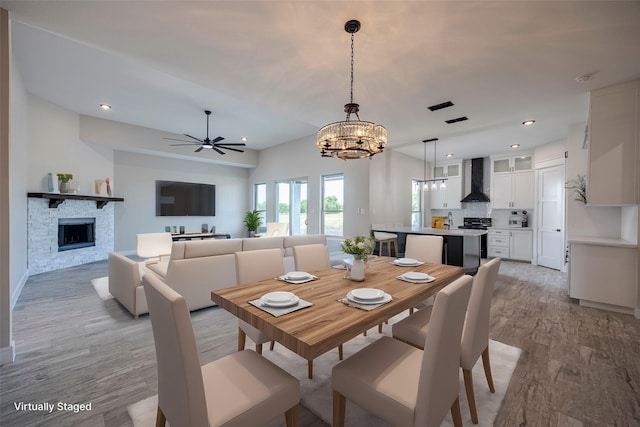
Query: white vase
pixel 357 270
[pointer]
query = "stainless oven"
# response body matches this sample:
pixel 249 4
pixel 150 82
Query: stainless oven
pixel 478 224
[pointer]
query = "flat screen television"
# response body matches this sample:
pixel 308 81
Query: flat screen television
pixel 175 198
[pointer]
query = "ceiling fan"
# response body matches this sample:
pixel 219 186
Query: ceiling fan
pixel 209 143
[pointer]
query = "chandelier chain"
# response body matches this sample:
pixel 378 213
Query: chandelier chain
pixel 352 35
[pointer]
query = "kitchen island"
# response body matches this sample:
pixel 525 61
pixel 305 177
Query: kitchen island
pixel 461 246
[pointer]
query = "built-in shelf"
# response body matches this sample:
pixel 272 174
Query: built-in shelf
pixel 55 199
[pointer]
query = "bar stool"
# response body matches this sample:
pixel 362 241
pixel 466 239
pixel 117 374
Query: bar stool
pixel 382 237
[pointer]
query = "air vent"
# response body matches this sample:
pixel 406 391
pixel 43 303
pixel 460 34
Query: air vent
pixel 441 106
pixel 459 119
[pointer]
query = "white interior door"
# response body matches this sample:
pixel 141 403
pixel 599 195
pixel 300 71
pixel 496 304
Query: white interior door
pixel 551 217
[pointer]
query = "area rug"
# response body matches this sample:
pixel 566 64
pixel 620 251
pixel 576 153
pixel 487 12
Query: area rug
pixel 316 394
pixel 101 285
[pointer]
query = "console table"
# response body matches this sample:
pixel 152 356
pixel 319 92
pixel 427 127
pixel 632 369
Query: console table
pixel 201 236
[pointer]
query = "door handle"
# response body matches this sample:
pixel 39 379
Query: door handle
pixel 558 230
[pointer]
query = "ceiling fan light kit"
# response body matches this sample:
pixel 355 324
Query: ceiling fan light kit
pixel 351 139
pixel 212 144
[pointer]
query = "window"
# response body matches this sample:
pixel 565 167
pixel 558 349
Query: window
pixel 332 205
pixel 291 199
pixel 260 204
pixel 416 203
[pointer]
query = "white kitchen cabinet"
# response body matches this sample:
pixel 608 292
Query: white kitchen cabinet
pixel 506 165
pixel 513 190
pixel 602 273
pixel 448 193
pixel 509 243
pixel 614 138
pixel 521 245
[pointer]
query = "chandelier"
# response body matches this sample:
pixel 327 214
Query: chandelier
pixel 351 139
pixel 434 181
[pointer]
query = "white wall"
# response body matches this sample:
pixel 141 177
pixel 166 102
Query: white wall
pixel 390 187
pixel 301 159
pixel 135 177
pixel 55 146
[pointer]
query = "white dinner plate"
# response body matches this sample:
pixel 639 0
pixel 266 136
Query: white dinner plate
pixel 367 294
pixel 417 276
pixel 279 299
pixel 406 261
pixel 297 275
pixel 385 298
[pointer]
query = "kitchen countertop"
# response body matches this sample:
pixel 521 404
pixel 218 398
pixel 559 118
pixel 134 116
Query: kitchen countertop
pixel 602 241
pixel 463 232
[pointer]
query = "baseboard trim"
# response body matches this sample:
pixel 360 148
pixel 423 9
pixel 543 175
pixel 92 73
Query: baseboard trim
pixel 15 295
pixel 609 307
pixel 8 354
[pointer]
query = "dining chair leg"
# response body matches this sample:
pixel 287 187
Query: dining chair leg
pixel 471 398
pixel 161 420
pixel 411 310
pixel 310 369
pixel 339 407
pixel 291 417
pixel 487 369
pixel 259 348
pixel 379 328
pixel 241 339
pixel 273 344
pixel 455 413
pixel 340 352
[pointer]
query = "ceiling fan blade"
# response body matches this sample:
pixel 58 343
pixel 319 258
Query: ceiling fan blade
pixel 241 144
pixel 229 148
pixel 217 150
pixel 193 137
pixel 181 145
pixel 182 140
pixel 199 149
pixel 218 139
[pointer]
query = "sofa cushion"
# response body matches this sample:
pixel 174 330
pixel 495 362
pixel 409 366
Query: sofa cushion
pixel 255 243
pixel 204 248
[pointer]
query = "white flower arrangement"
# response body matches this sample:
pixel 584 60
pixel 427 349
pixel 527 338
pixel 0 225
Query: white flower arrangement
pixel 359 246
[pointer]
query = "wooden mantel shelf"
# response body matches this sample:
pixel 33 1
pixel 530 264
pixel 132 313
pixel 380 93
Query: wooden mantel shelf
pixel 55 199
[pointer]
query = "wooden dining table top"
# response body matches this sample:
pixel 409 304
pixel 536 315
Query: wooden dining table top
pixel 312 331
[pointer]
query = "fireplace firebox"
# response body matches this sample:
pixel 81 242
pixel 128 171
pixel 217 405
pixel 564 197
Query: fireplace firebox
pixel 76 233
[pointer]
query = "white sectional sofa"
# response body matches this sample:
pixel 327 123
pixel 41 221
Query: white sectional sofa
pixel 197 267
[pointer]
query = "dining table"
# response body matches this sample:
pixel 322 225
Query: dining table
pixel 328 322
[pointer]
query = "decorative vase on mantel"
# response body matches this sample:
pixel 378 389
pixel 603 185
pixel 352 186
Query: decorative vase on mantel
pixel 358 270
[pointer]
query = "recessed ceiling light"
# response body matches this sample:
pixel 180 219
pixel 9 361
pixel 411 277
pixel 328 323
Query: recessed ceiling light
pixel 449 155
pixel 243 139
pixel 515 145
pixel 528 122
pixel 105 107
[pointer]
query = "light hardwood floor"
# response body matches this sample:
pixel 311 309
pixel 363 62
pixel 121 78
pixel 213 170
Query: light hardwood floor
pixel 579 366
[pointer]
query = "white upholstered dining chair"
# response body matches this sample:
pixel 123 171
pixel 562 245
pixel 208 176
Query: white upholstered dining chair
pixel 241 389
pixel 475 335
pixel 424 248
pixel 402 384
pixel 253 266
pixel 311 257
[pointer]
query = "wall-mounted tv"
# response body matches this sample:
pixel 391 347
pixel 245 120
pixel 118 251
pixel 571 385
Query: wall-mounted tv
pixel 175 198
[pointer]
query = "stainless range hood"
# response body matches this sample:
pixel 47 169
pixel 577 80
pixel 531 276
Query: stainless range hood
pixel 477 178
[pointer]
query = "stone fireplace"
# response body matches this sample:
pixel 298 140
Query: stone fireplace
pixel 74 232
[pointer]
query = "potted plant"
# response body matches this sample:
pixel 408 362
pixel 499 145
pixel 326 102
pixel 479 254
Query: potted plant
pixel 64 182
pixel 252 221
